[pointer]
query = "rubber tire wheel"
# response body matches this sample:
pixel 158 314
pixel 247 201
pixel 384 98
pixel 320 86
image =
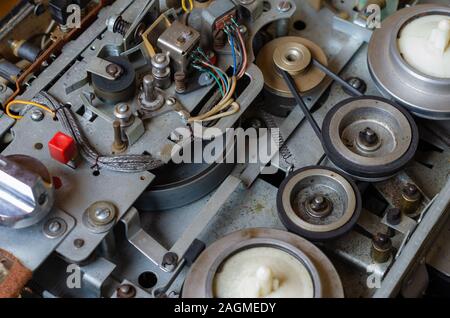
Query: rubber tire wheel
pixel 318 236
pixel 368 172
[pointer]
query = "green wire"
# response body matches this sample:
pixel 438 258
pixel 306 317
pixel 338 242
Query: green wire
pixel 214 76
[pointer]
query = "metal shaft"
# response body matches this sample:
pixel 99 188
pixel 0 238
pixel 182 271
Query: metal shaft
pixel 148 84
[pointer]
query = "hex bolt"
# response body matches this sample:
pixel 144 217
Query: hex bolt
pixel 37 115
pixel 381 248
pixel 394 216
pixel 126 291
pixel 410 199
pixel 119 145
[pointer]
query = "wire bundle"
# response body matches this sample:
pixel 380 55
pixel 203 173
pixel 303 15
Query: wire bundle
pixel 123 163
pixel 227 105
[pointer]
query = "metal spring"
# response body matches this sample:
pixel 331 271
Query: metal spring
pixel 284 151
pixel 121 26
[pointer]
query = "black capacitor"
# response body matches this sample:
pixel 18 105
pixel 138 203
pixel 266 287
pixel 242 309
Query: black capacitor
pixel 24 49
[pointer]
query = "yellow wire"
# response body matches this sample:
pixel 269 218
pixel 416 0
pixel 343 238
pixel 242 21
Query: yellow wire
pixel 24 102
pixel 183 5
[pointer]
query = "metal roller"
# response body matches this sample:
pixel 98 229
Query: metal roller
pixel 369 137
pixel 295 55
pixel 318 203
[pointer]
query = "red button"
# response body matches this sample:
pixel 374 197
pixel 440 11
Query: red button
pixel 62 148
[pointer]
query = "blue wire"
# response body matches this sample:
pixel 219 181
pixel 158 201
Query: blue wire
pixel 233 52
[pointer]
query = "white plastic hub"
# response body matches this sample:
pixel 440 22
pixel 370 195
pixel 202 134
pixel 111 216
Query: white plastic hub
pixel 425 45
pixel 263 272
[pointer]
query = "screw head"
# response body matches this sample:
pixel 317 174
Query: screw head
pixel 126 291
pixel 382 241
pixel 55 227
pixel 102 213
pixel 410 190
pixel 171 101
pixel 114 70
pixel 37 115
pixel 170 260
pixel 78 243
pixel 284 6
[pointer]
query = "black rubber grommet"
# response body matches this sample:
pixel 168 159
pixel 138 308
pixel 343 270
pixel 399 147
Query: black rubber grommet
pixel 119 90
pixel 368 172
pixel 318 236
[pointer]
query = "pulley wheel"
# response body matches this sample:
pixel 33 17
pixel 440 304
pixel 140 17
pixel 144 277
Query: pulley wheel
pixel 294 55
pixel 318 203
pixel 370 138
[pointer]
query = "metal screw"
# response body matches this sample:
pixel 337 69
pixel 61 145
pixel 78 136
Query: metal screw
pixel 284 6
pixel 410 190
pixel 356 83
pixel 171 101
pixel 126 291
pixel 102 214
pixel 78 243
pixel 170 260
pixel 382 241
pixel 55 227
pixel 37 115
pixel 123 108
pixel 160 58
pixel 114 70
